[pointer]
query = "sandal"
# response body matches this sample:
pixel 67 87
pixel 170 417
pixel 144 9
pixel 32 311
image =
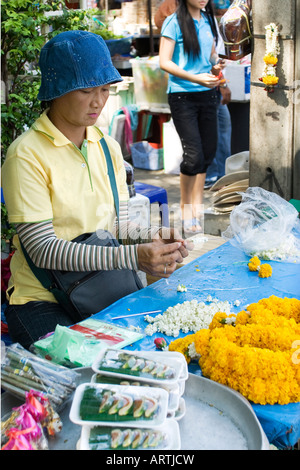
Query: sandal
pixel 191 227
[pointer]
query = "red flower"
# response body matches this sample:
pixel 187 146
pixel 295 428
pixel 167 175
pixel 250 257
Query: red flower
pixel 160 343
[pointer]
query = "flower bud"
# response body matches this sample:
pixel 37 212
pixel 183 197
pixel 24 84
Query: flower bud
pixel 160 343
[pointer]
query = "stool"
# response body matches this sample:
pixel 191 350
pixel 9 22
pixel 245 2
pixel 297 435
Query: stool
pixel 155 194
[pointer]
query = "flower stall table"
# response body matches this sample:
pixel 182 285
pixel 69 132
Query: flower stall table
pixel 223 275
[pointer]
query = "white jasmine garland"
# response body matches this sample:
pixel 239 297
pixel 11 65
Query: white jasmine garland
pixel 287 249
pixel 189 316
pixel 272 46
pixel 135 328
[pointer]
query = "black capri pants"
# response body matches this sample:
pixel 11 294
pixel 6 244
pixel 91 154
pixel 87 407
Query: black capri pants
pixel 195 119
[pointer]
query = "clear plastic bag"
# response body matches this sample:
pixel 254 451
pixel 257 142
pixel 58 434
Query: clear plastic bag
pixel 266 225
pixel 22 371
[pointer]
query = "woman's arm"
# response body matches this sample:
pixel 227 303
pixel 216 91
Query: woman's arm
pixel 166 63
pixel 48 251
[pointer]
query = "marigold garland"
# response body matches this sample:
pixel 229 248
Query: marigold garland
pixel 252 354
pixel 182 345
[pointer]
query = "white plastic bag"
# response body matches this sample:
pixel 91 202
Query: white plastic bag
pixel 172 148
pixel 265 225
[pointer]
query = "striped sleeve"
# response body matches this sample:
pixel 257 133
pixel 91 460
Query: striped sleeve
pixel 48 251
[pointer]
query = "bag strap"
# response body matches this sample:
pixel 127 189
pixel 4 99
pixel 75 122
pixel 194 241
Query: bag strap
pixel 43 275
pixel 45 278
pixel 111 174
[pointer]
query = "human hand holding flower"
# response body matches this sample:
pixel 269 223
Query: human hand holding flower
pixel 169 235
pixel 159 259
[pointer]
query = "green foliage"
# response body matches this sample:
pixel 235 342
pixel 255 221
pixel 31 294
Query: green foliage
pixel 25 27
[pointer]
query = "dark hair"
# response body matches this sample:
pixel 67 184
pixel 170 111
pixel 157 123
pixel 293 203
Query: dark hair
pixel 45 105
pixel 190 40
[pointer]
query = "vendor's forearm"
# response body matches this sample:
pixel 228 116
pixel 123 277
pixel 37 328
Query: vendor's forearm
pixel 48 251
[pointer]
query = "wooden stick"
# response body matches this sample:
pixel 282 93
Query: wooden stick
pixel 137 314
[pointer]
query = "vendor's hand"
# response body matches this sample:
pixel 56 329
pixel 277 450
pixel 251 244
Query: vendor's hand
pixel 159 259
pixel 170 235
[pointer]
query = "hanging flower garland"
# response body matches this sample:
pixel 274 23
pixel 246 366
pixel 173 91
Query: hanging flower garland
pixel 269 77
pixel 251 352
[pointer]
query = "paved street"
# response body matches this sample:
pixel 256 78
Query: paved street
pixel 171 184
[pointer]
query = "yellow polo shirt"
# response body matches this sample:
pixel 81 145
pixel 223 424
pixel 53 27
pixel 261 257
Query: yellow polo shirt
pixel 46 177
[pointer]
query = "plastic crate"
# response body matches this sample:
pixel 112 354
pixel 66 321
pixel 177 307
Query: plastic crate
pixel 120 95
pixel 150 83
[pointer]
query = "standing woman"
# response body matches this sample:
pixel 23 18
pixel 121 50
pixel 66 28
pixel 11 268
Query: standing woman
pixel 187 53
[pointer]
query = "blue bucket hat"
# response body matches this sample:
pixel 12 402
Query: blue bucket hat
pixel 73 60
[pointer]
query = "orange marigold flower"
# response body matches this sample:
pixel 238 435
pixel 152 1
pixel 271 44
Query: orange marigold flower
pixel 201 340
pixel 254 263
pixel 270 80
pixel 265 270
pixel 218 320
pixel 270 60
pixel 181 345
pixel 242 318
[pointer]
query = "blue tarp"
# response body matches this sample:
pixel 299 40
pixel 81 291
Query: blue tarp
pixel 223 274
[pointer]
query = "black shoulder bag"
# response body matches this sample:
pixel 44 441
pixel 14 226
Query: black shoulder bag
pixel 83 294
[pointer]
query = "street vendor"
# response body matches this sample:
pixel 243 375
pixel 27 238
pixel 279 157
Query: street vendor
pixel 56 188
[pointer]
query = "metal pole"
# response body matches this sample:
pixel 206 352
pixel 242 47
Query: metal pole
pixel 106 9
pixel 296 99
pixel 273 118
pixel 150 28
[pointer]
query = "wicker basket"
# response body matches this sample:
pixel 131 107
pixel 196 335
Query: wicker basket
pixel 136 12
